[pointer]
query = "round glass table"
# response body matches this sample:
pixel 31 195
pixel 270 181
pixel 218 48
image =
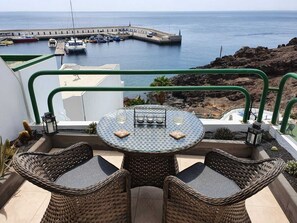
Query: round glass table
pixel 149 149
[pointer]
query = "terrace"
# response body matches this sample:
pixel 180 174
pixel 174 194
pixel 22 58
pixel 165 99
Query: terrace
pixel 267 205
pixel 146 201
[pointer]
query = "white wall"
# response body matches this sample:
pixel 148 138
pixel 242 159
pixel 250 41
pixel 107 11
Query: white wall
pixel 97 104
pixel 43 85
pixel 13 109
pixel 74 108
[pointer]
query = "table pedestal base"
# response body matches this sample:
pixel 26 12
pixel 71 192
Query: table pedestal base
pixel 149 169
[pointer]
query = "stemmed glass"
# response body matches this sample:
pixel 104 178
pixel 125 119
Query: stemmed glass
pixel 178 118
pixel 121 116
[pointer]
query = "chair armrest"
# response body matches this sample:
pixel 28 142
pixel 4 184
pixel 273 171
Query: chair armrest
pixel 51 166
pixel 242 171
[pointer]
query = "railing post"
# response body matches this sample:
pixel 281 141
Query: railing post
pixel 264 94
pixel 287 115
pixel 280 94
pixel 33 97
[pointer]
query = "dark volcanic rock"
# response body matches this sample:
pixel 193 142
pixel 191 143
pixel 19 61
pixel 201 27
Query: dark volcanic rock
pixel 292 42
pixel 274 62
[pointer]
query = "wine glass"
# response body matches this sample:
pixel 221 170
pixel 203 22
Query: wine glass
pixel 178 118
pixel 121 116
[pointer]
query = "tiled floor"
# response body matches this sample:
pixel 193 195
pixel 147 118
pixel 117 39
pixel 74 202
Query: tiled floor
pixel 29 202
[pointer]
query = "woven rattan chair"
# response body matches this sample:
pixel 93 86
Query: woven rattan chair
pixel 216 190
pixel 83 188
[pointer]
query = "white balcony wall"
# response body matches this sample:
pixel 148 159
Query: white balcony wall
pixel 86 105
pixel 97 104
pixel 43 85
pixel 74 108
pixel 13 109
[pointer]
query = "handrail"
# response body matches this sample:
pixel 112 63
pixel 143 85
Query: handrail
pixel 287 114
pixel 149 72
pixel 28 60
pixel 280 94
pixel 176 88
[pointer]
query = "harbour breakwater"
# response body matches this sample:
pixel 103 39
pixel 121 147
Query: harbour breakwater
pixel 134 32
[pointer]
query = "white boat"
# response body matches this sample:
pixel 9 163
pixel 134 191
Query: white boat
pixel 75 46
pixel 52 43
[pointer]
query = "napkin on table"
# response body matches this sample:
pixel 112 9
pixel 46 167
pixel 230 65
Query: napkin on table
pixel 122 133
pixel 177 134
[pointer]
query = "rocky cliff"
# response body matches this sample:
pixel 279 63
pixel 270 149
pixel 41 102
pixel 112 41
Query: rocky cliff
pixel 274 62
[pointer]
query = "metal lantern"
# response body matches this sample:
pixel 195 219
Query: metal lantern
pixel 254 134
pixel 49 123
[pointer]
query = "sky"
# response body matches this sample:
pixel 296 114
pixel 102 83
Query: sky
pixel 148 5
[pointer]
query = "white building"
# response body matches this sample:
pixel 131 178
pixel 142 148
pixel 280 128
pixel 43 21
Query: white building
pixel 15 100
pixel 86 105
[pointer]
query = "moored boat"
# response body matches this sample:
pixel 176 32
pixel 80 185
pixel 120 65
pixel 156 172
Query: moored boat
pixel 117 38
pixel 100 39
pixel 24 39
pixel 6 42
pixel 92 39
pixel 52 43
pixel 75 46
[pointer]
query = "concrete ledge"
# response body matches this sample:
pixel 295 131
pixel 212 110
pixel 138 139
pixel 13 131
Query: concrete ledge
pixel 236 148
pixel 281 189
pixel 63 140
pixel 285 141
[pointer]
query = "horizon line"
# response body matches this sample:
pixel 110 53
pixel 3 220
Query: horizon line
pixel 254 10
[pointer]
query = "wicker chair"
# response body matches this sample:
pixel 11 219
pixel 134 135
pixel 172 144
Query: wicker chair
pixel 83 188
pixel 216 190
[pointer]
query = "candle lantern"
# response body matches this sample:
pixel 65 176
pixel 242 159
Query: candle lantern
pixel 49 123
pixel 254 134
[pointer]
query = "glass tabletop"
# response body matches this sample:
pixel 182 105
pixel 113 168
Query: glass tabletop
pixel 151 138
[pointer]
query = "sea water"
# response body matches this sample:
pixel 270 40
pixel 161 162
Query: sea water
pixel 203 34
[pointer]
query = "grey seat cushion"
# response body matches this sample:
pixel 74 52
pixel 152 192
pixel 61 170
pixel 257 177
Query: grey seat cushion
pixel 89 173
pixel 208 182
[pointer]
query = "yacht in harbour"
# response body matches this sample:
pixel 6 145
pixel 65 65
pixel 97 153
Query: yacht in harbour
pixel 75 46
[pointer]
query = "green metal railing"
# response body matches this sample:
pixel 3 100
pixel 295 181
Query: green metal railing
pixel 279 97
pixel 176 88
pixel 27 60
pixel 260 73
pixel 287 114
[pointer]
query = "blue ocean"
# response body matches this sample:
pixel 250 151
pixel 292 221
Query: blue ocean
pixel 203 35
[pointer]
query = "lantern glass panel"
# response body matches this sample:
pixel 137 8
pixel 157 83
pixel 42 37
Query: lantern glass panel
pixel 258 138
pixel 50 126
pixel 250 138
